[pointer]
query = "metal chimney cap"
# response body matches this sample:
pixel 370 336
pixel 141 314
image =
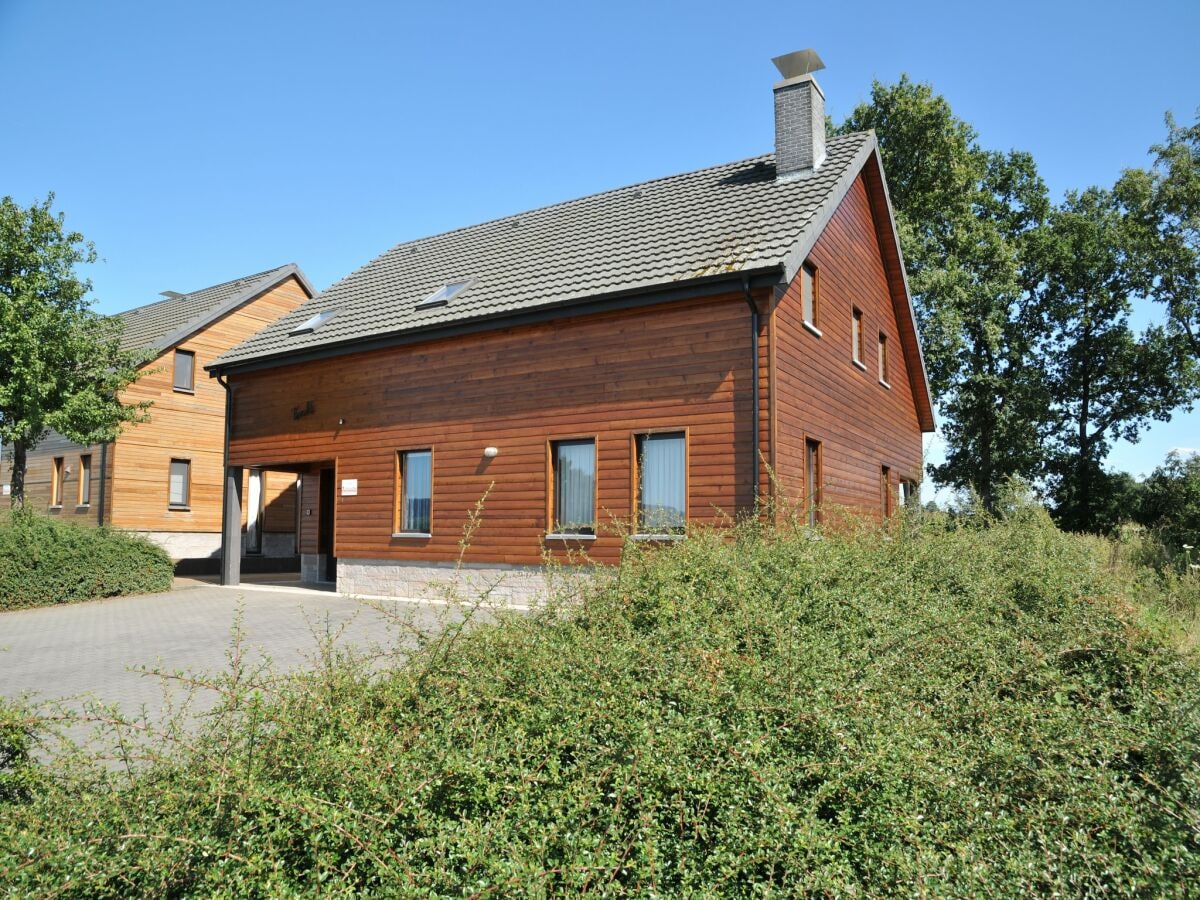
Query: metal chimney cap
pixel 801 62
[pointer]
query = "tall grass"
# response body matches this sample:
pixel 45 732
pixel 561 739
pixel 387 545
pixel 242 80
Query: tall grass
pixel 943 709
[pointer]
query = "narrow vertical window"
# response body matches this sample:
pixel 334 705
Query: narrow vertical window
pixel 414 493
pixel 255 509
pixel 56 482
pixel 885 492
pixel 856 336
pixel 883 359
pixel 809 288
pixel 573 465
pixel 812 475
pixel 179 486
pixel 185 370
pixel 85 479
pixel 661 483
pixel 909 492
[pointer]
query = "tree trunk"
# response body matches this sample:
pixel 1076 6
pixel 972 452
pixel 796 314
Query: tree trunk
pixel 20 460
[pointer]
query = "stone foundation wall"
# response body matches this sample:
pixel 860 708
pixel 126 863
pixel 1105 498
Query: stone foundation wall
pixel 186 544
pixel 504 585
pixel 310 567
pixel 278 544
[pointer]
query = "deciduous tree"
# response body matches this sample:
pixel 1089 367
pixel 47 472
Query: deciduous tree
pixel 964 216
pixel 61 364
pixel 1107 381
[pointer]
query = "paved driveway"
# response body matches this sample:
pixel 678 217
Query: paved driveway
pixel 91 651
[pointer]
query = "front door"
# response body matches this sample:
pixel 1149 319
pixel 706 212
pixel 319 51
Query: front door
pixel 325 514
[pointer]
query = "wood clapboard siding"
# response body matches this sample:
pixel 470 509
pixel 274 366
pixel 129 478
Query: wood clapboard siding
pixel 680 366
pixel 279 502
pixel 820 394
pixel 39 476
pixel 186 426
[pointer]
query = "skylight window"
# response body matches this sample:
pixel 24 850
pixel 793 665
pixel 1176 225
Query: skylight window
pixel 312 324
pixel 443 294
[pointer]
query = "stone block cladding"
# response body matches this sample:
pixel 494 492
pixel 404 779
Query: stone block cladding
pixel 505 585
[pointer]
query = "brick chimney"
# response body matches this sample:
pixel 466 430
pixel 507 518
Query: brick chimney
pixel 799 115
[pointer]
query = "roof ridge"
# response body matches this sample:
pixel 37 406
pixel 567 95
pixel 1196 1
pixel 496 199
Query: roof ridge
pixel 258 276
pixel 841 138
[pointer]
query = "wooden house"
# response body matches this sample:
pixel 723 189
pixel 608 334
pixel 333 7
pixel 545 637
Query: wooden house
pixel 163 477
pixel 647 358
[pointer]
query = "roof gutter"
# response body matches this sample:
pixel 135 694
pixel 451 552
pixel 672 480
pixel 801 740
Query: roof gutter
pixel 709 285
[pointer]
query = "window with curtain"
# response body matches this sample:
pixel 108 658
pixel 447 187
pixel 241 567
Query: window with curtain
pixel 179 483
pixel 883 358
pixel 856 336
pixel 661 483
pixel 574 465
pixel 415 491
pixel 185 370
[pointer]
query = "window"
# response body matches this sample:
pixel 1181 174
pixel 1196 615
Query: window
pixel 311 324
pixel 856 338
pixel 56 482
pixel 179 485
pixel 812 480
pixel 442 295
pixel 910 492
pixel 810 294
pixel 661 481
pixel 573 468
pixel 885 492
pixel 414 492
pixel 883 360
pixel 185 370
pixel 85 479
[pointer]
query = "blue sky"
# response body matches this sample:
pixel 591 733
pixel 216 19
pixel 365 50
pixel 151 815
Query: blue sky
pixel 197 142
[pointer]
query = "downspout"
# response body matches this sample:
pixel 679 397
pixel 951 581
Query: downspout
pixel 754 380
pixel 103 482
pixel 225 468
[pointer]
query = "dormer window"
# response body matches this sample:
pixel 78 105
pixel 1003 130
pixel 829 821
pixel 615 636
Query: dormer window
pixel 312 324
pixel 442 295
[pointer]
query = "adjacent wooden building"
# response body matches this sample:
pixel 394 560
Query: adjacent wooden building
pixel 163 477
pixel 629 363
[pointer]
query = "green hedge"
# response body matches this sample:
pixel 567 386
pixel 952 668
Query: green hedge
pixel 44 561
pixel 955 710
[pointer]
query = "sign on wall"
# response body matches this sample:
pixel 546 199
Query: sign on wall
pixel 349 487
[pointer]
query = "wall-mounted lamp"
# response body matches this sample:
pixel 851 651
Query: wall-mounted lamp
pixel 491 452
pixel 341 421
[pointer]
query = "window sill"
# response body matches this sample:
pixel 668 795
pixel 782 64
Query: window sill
pixel 184 390
pixel 861 365
pixel 557 536
pixel 657 537
pixel 80 506
pixel 413 535
pixel 55 506
pixel 179 508
pixel 813 328
pixel 885 384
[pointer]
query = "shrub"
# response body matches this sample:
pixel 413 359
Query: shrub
pixel 44 561
pixel 948 709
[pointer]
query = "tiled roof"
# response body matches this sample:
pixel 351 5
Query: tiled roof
pixel 725 219
pixel 158 325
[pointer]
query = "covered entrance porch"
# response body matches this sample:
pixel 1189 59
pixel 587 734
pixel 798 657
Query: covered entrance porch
pixel 246 516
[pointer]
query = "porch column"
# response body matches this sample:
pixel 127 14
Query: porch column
pixel 231 527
